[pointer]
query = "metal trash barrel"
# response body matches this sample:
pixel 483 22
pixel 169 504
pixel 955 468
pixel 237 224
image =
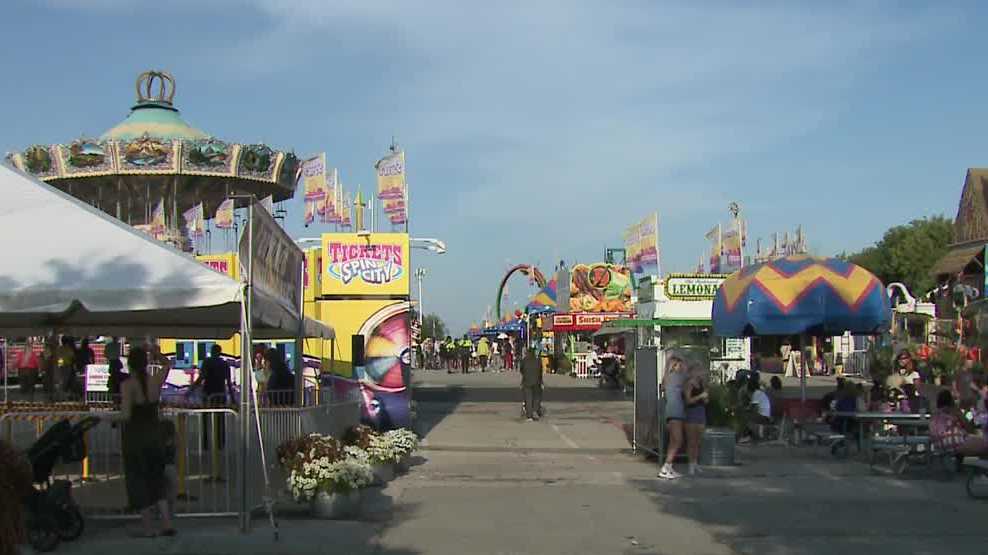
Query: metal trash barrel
pixel 717 447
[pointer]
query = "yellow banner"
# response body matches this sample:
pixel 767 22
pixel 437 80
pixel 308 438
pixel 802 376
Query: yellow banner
pixel 314 177
pixel 391 176
pixel 370 265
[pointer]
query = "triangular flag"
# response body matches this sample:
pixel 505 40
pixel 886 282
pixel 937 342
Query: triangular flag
pixel 224 215
pixel 268 203
pixel 158 218
pixel 310 211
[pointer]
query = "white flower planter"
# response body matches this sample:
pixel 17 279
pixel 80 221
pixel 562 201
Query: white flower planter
pixel 383 473
pixel 336 506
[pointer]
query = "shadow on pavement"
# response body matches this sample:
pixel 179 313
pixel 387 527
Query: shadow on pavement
pixel 299 533
pixel 810 504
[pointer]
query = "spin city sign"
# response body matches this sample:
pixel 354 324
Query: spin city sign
pixel 375 264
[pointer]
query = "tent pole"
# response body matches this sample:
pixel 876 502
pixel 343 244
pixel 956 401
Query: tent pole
pixel 246 360
pixel 3 352
pixel 300 342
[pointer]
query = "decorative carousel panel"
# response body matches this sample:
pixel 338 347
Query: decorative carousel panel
pixel 208 157
pixel 86 157
pixel 148 155
pixel 38 160
pixel 257 162
pixel 288 173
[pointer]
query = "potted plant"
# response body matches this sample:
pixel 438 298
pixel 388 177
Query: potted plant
pixel 326 474
pixel 720 436
pixel 404 442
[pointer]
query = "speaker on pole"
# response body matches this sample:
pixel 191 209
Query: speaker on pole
pixel 357 350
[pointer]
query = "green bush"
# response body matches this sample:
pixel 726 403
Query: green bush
pixel 722 407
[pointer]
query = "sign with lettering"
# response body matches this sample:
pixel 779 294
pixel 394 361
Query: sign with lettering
pixel 375 264
pixel 277 260
pixel 584 321
pixel 693 287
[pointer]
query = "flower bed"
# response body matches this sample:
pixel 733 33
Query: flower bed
pixel 321 464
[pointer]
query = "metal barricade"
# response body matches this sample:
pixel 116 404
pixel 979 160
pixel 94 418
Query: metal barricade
pixel 201 476
pixel 857 363
pixel 204 477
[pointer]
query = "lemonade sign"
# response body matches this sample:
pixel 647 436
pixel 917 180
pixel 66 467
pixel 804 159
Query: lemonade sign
pixel 702 287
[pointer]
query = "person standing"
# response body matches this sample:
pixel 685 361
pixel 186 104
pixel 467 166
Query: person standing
pixel 496 355
pixel 281 381
pixel 696 396
pixel 675 412
pixel 64 367
pixel 465 348
pixel 483 353
pixel 49 367
pixel 112 354
pixel 509 354
pixel 531 384
pixel 143 450
pixel 214 377
pixel 28 367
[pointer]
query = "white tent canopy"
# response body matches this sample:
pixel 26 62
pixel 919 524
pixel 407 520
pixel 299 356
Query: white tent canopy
pixel 74 269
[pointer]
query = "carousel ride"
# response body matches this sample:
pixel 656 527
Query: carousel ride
pixel 153 158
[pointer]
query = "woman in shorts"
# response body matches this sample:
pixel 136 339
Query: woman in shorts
pixel 696 396
pixel 672 383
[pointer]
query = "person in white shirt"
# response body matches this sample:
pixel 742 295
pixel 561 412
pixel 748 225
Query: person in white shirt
pixel 762 405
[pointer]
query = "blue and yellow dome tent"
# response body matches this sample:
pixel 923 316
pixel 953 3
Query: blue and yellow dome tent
pixel 801 295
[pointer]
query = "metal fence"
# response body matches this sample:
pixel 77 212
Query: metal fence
pixel 201 475
pixel 204 478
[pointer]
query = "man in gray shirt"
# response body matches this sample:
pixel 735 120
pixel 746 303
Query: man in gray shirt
pixel 531 384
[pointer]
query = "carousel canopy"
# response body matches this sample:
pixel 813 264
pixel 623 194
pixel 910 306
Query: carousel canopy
pixel 84 273
pixel 155 156
pixel 801 294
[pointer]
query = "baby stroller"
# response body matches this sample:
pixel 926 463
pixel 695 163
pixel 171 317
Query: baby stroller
pixel 51 513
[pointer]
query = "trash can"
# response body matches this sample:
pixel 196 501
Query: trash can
pixel 717 447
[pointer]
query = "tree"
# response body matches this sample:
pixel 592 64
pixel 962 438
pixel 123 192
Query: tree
pixel 907 253
pixel 434 327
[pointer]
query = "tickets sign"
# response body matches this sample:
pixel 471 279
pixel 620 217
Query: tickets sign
pixel 375 264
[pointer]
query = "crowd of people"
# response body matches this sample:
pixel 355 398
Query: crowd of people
pixel 58 364
pixel 464 354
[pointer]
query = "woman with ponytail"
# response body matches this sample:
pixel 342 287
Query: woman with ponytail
pixel 143 448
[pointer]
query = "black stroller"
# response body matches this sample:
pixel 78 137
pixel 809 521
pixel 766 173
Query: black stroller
pixel 51 513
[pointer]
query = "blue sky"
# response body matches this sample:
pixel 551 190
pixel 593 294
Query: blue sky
pixel 536 131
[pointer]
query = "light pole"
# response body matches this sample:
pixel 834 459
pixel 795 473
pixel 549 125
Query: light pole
pixel 428 243
pixel 420 274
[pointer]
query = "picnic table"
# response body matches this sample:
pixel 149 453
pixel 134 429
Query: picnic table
pixel 910 445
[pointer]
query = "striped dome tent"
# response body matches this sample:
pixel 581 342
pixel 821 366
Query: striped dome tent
pixel 801 295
